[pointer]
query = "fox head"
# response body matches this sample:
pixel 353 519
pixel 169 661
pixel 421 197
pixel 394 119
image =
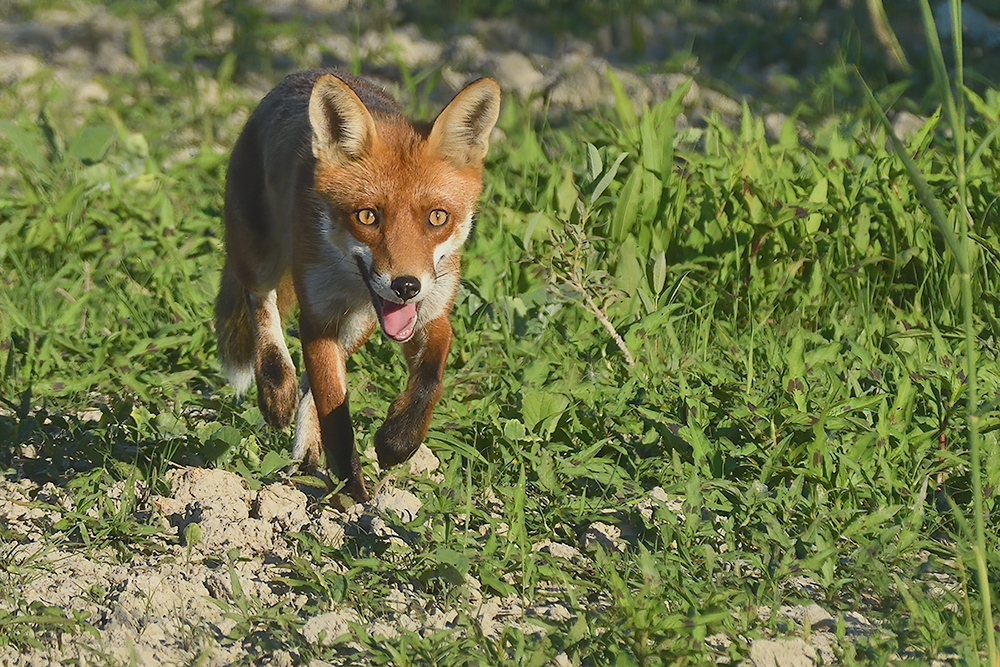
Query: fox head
pixel 400 196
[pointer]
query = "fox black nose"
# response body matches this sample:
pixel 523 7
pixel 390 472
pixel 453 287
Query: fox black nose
pixel 406 287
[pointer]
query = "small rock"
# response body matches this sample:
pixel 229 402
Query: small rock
pixel 423 461
pixel 153 633
pixel 440 619
pixel 18 66
pixel 856 625
pixel 395 600
pixel 578 88
pixel 826 646
pixel 774 123
pixel 562 660
pixel 403 505
pixel 377 526
pixel 93 92
pixel 557 549
pixel 208 493
pixel 722 104
pixel 328 528
pixel 380 630
pixel 122 617
pixel 635 89
pixel 406 44
pixel 553 612
pixel 816 618
pixel 907 124
pixel 657 497
pixel 282 505
pixel 191 13
pixel 326 628
pixel 781 653
pixel 719 642
pixel 604 536
pixel 514 72
pixel 663 85
pixel 465 50
pixel 218 535
pixel 414 49
pixel 90 414
pixel 495 614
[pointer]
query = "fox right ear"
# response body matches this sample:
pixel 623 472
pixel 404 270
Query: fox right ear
pixel 461 132
pixel 342 127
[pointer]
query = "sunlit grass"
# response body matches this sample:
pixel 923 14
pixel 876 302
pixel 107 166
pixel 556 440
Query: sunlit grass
pixel 769 330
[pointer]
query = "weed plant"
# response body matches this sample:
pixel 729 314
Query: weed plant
pixel 797 337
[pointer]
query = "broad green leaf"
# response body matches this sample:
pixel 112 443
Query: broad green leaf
pixel 542 409
pixel 921 139
pixel 27 145
pixel 627 206
pixel 652 145
pixel 817 196
pixel 623 104
pixel 788 138
pixel 91 143
pixel 546 472
pixel 137 46
pixel 659 272
pixel 606 179
pixel 630 272
pixel 595 166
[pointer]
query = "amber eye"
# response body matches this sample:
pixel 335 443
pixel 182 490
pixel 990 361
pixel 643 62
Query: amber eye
pixel 366 216
pixel 437 217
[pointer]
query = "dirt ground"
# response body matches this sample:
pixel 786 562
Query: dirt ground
pixel 168 604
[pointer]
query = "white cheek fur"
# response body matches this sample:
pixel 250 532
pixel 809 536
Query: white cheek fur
pixel 454 242
pixel 333 286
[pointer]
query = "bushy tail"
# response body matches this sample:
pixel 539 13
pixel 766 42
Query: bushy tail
pixel 233 328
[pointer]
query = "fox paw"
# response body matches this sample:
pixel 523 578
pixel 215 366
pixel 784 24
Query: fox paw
pixel 394 444
pixel 277 390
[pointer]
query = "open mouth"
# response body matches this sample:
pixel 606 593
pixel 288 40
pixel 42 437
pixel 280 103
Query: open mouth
pixel 396 319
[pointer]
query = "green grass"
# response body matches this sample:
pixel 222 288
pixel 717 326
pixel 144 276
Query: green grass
pixel 772 331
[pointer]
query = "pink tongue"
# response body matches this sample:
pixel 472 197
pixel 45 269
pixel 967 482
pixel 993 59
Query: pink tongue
pixel 398 319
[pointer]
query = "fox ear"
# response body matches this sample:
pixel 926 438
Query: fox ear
pixel 341 124
pixel 461 133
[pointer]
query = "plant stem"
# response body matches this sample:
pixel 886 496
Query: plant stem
pixel 972 406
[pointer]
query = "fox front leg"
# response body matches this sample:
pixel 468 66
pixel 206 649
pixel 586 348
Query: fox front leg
pixel 325 365
pixel 410 413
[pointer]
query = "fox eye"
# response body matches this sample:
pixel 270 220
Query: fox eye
pixel 437 217
pixel 366 216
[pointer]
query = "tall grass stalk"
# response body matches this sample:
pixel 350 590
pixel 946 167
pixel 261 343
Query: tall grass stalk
pixel 967 261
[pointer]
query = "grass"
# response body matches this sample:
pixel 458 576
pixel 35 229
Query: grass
pixel 770 330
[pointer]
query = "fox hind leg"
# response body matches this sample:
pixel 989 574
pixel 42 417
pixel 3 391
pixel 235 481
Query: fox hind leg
pixel 277 390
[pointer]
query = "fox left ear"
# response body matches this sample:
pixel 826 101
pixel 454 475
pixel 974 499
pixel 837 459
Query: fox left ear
pixel 461 133
pixel 341 124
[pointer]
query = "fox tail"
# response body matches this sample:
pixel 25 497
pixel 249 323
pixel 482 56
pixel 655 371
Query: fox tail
pixel 234 331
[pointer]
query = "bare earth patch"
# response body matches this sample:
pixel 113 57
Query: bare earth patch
pixel 224 545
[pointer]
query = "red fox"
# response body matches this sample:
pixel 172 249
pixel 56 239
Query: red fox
pixel 337 202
